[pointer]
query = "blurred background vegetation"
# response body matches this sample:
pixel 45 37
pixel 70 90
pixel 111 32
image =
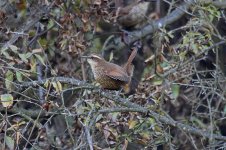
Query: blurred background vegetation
pixel 49 99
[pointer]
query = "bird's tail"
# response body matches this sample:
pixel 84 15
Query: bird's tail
pixel 128 66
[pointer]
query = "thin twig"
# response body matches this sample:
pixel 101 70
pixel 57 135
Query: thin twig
pixel 29 24
pixel 124 102
pixel 164 119
pixel 67 80
pixel 111 110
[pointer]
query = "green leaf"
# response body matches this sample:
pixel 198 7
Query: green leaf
pixel 46 84
pixel 9 142
pixel 31 33
pixel 175 89
pixel 182 55
pixel 40 59
pixel 43 42
pixel 145 135
pixel 9 80
pixel 50 24
pixel 170 34
pixel 28 55
pixel 13 48
pixel 3 50
pixel 23 57
pixel 114 116
pixel 58 86
pixel 132 124
pixel 99 117
pixel 167 39
pixel 151 121
pixel 7 100
pixel 19 76
pixel 157 81
pixel 7 56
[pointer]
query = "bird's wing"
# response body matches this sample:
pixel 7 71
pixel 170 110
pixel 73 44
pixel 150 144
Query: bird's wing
pixel 117 73
pixel 124 11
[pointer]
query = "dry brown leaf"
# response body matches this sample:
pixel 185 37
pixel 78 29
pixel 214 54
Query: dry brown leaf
pixel 125 145
pixel 97 2
pixel 159 69
pixel 132 123
pixel 106 132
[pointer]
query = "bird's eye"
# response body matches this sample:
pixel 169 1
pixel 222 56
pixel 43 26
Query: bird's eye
pixel 92 57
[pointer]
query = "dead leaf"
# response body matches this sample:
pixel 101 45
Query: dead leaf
pixel 125 145
pixel 132 124
pixel 7 100
pixel 97 2
pixel 159 69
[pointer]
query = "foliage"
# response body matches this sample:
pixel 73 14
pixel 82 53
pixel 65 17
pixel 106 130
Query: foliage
pixel 182 78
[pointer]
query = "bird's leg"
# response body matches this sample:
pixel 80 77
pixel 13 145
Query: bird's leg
pixel 101 90
pixel 118 92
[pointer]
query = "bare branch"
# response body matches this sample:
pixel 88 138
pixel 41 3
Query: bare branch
pixel 165 119
pixel 175 15
pixel 111 110
pixel 34 18
pixel 172 17
pixel 71 81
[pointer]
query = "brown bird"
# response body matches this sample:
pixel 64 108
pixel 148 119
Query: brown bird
pixel 112 76
pixel 134 15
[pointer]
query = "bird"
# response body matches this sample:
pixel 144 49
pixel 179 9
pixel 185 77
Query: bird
pixel 111 76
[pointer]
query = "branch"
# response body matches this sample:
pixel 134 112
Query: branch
pixel 152 27
pixel 111 110
pixel 34 18
pixel 67 80
pixel 172 17
pixel 26 112
pixel 132 107
pixel 164 119
pixel 172 70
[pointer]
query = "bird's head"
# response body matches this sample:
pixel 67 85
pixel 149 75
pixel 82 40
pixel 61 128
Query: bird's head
pixel 94 60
